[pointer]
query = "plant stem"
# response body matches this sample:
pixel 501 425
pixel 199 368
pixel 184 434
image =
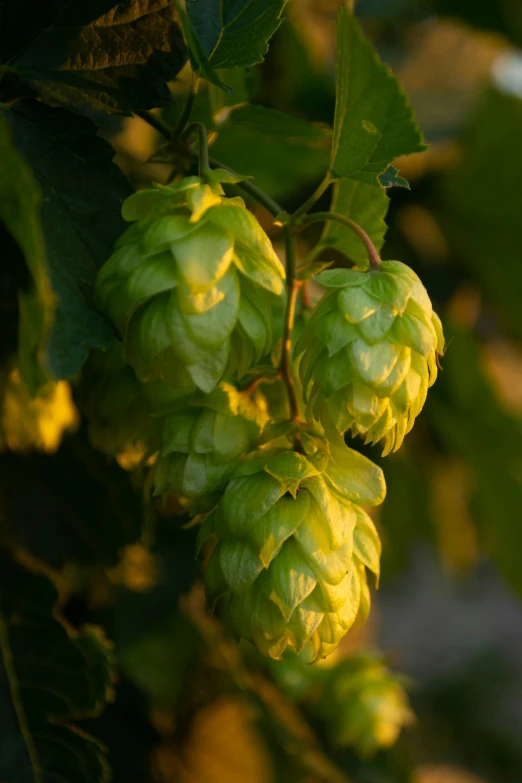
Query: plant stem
pixel 293 286
pixel 204 163
pixel 317 217
pixel 269 204
pixel 187 109
pixel 156 123
pixel 262 198
pixel 316 195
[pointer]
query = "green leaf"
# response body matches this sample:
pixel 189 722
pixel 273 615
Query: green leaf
pixel 115 57
pixel 235 34
pixel 49 677
pixel 367 205
pixel 391 177
pixel 271 146
pixel 82 194
pixel 373 122
pixel 242 82
pixel 198 58
pixel 20 201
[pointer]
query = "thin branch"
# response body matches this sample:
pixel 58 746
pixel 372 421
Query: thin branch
pixel 293 286
pixel 316 195
pixel 319 217
pixel 187 109
pixel 257 194
pixel 199 127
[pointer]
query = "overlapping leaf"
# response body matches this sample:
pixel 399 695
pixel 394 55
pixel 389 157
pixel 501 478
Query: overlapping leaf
pixel 20 213
pixel 109 56
pixel 281 152
pixel 49 677
pixel 82 194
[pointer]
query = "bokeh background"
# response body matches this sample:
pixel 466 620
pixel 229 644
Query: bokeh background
pixel 190 704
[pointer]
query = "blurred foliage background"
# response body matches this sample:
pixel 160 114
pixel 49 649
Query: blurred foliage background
pixel 191 705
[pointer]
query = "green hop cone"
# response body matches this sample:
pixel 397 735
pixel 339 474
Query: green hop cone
pixel 121 412
pixel 292 545
pixel 111 398
pixel 365 706
pixel 191 285
pixel 369 352
pixel 203 441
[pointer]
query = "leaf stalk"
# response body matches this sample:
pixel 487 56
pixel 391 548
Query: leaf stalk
pixel 319 217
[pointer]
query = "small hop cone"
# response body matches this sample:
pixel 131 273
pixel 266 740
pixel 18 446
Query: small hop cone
pixel 369 353
pixel 203 441
pixel 118 412
pixel 191 285
pixel 365 705
pixel 292 545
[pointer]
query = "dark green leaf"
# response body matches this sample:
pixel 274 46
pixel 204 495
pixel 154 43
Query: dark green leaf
pixel 198 58
pixel 20 201
pixel 82 194
pixel 235 33
pixel 49 677
pixel 71 507
pixel 373 120
pixel 242 82
pixel 282 152
pixel 104 55
pixel 367 205
pixel 391 177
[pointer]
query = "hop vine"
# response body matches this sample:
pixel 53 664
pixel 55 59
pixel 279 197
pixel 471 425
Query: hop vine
pixel 197 295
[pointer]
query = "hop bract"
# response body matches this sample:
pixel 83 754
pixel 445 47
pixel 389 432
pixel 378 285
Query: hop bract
pixel 191 285
pixel 370 352
pixel 203 441
pixel 364 704
pixel 292 545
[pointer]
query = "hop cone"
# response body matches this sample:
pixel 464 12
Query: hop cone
pixel 370 352
pixel 364 704
pixel 203 441
pixel 293 541
pixel 117 406
pixel 191 285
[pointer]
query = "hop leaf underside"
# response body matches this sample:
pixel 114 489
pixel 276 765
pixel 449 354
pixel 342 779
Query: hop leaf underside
pixel 292 547
pixel 191 286
pixel 369 353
